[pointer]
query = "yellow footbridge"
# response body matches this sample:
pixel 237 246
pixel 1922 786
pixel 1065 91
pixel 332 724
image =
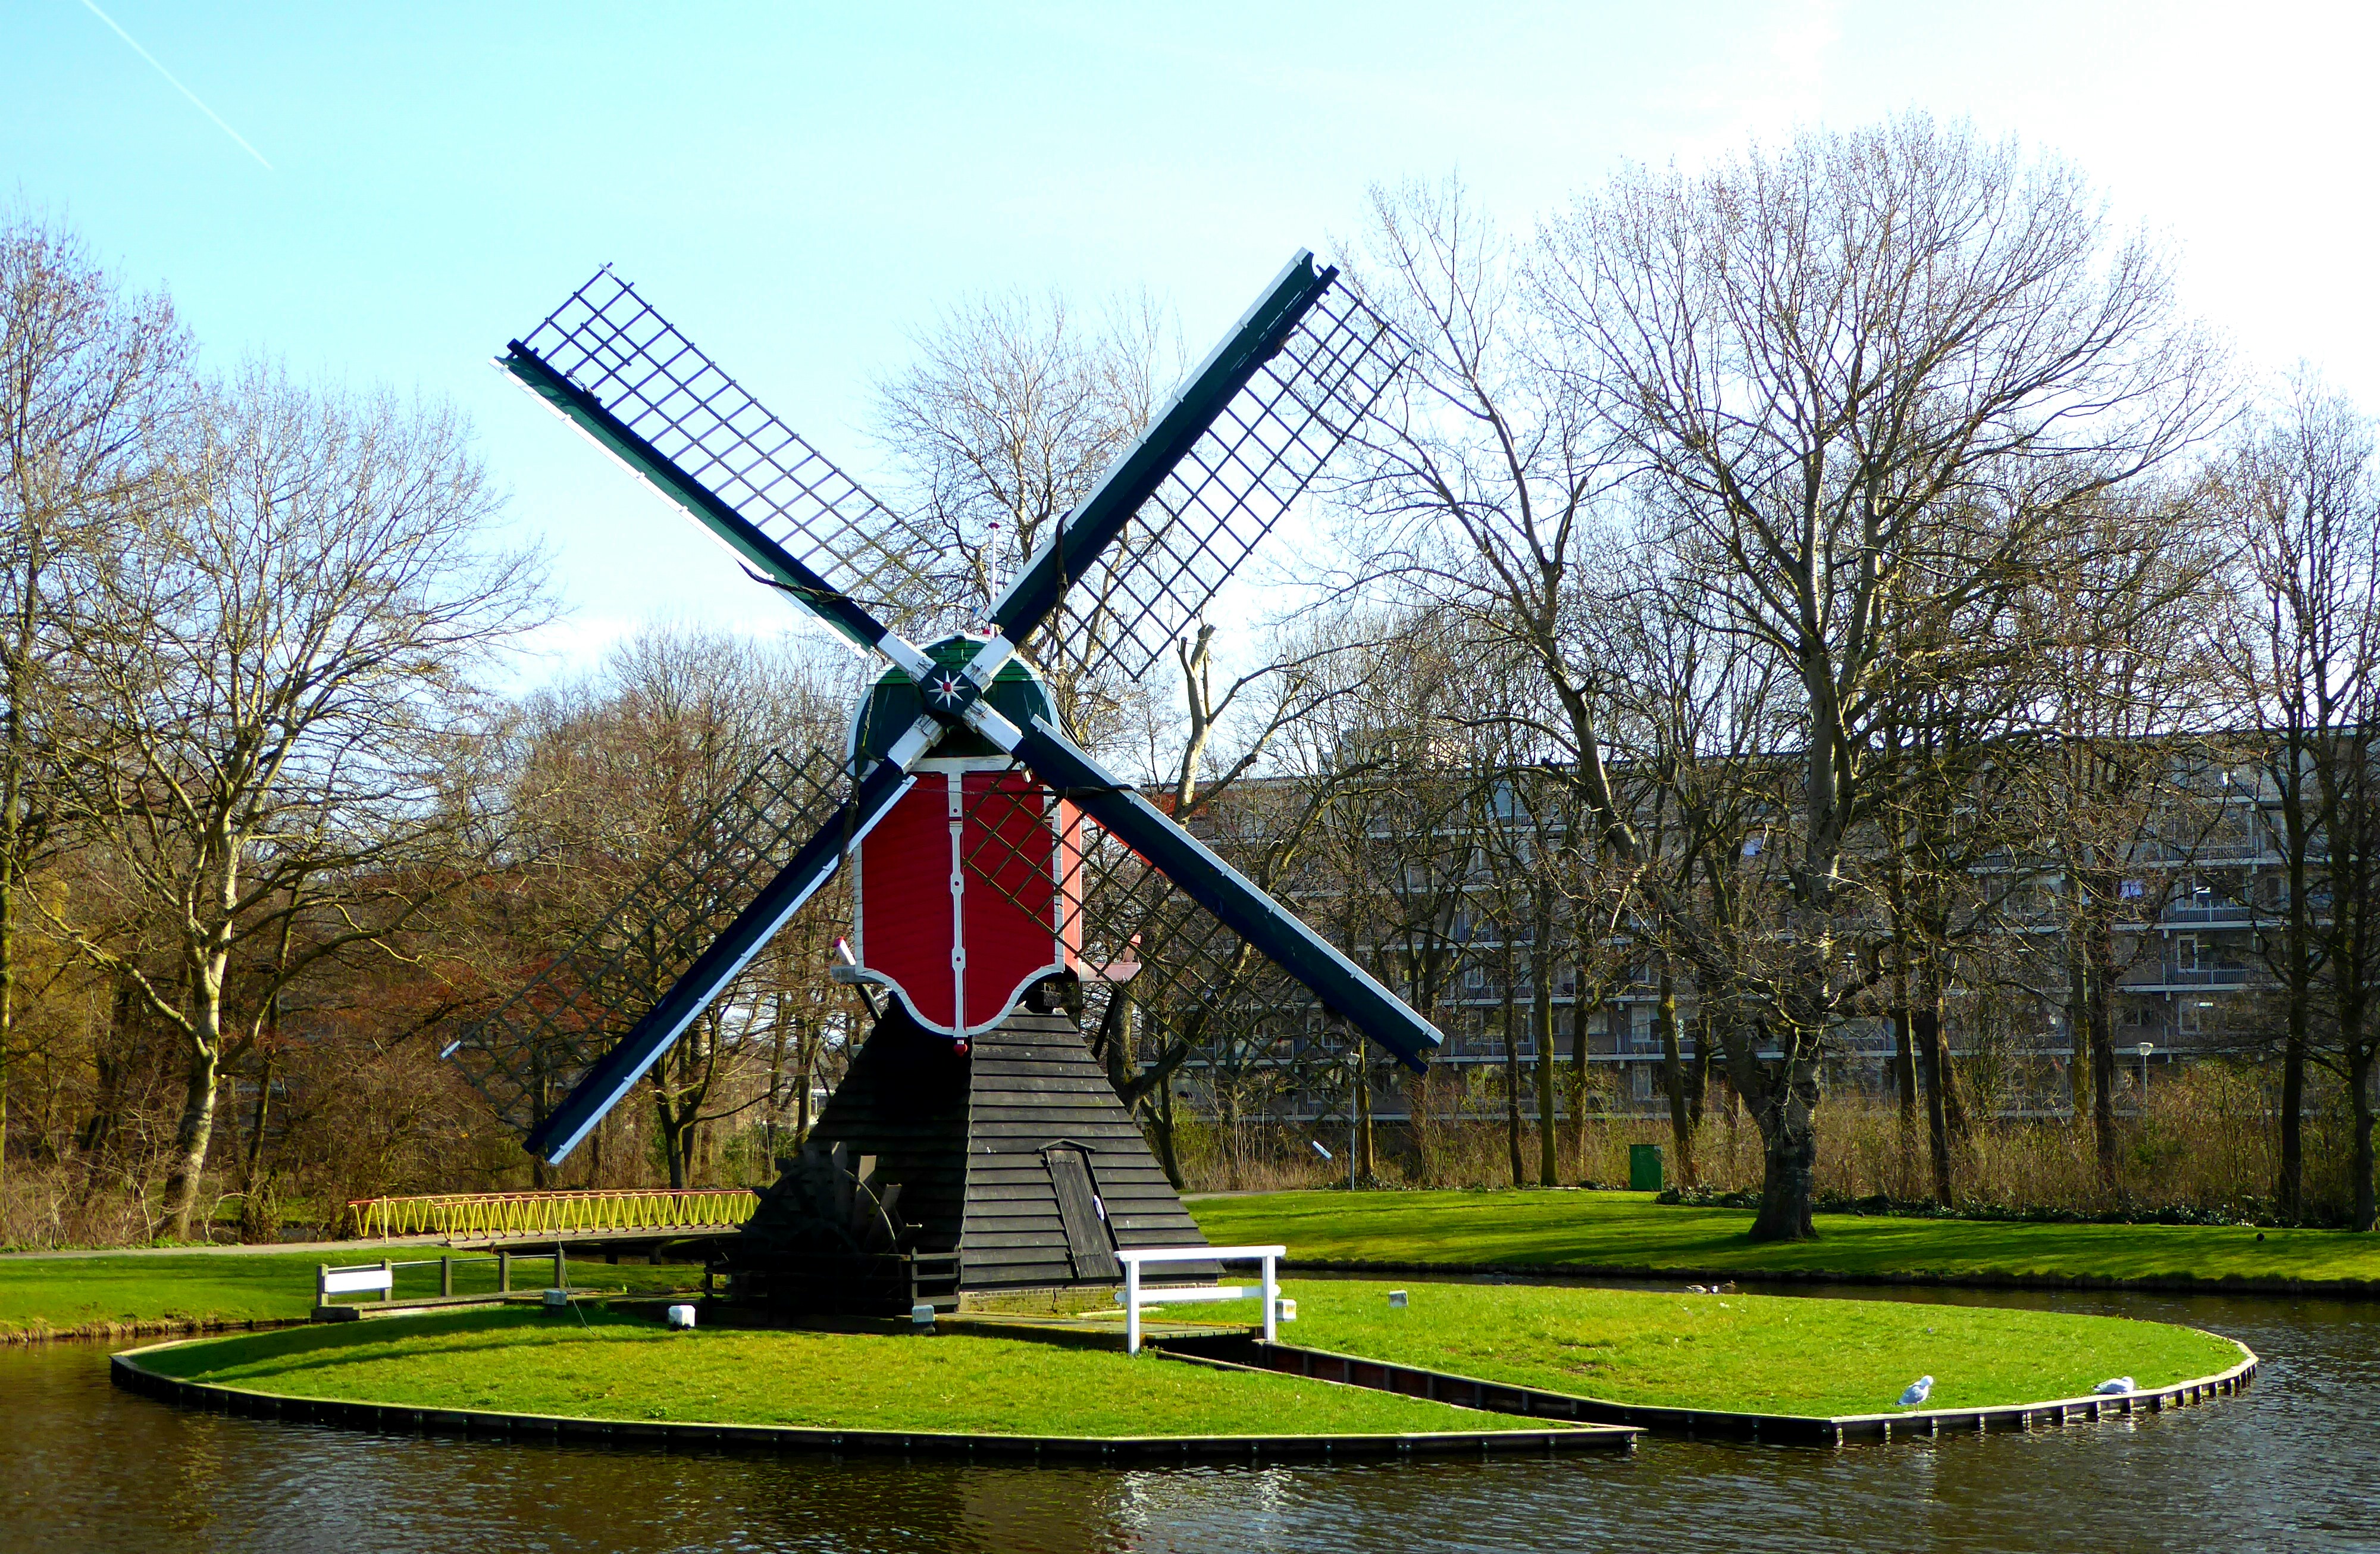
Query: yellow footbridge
pixel 493 1217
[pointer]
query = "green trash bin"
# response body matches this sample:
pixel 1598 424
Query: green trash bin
pixel 1645 1167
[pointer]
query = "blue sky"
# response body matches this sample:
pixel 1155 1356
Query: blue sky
pixel 803 185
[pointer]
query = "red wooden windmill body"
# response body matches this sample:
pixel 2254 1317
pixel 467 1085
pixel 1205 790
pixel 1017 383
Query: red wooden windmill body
pixel 968 892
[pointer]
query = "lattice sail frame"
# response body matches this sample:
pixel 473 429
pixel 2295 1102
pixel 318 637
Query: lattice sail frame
pixel 1226 495
pixel 535 1046
pixel 1187 976
pixel 607 340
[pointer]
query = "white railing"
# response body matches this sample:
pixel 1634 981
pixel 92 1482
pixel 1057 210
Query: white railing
pixel 1130 1295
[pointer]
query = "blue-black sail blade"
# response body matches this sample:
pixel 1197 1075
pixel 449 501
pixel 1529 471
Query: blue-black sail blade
pixel 1344 986
pixel 610 362
pixel 617 1071
pixel 1036 593
pixel 746 539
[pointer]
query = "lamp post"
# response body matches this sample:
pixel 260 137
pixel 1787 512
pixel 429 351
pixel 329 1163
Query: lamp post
pixel 2144 1049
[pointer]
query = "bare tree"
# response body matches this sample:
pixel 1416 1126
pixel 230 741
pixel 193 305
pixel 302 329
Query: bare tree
pixel 1872 373
pixel 618 773
pixel 1003 421
pixel 89 383
pixel 2303 651
pixel 267 716
pixel 1701 712
pixel 2128 672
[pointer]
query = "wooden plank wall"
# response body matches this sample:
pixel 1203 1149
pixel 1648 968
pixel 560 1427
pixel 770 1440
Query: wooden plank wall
pixel 1035 1084
pixel 905 1101
pixel 965 1138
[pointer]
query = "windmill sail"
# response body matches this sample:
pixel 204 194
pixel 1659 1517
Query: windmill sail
pixel 1127 598
pixel 608 351
pixel 1143 940
pixel 1193 867
pixel 539 1044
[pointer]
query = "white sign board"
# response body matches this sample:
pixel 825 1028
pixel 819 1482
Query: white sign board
pixel 346 1281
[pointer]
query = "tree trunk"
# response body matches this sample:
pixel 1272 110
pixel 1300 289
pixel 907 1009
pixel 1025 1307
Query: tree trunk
pixel 1160 1112
pixel 1904 1068
pixel 1513 1085
pixel 252 1171
pixel 13 863
pixel 1699 1072
pixel 677 1145
pixel 1541 1023
pixel 191 1137
pixel 1905 1082
pixel 1580 1006
pixel 1933 1067
pixel 1366 1160
pixel 806 1058
pixel 1790 1157
pixel 7 969
pixel 1673 1077
pixel 2359 1082
pixel 2288 1188
pixel 2077 1027
pixel 2098 1016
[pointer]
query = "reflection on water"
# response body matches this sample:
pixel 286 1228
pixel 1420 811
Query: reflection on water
pixel 2293 1464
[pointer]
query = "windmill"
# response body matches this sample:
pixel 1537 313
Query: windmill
pixel 1003 881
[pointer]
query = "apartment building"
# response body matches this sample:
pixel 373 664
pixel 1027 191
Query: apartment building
pixel 2200 895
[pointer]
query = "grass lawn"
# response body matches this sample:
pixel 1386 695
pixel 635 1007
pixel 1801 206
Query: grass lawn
pixel 619 1367
pixel 1630 1230
pixel 67 1294
pixel 1756 1354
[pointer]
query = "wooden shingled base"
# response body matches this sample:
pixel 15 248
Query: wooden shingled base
pixel 1020 1173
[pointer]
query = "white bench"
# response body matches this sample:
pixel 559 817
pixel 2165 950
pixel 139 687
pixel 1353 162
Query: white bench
pixel 330 1281
pixel 1131 1299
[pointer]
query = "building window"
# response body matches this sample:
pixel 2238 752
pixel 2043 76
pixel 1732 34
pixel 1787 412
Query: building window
pixel 1640 1081
pixel 2185 952
pixel 1475 977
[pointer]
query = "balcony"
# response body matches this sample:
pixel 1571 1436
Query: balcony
pixel 2219 914
pixel 2169 975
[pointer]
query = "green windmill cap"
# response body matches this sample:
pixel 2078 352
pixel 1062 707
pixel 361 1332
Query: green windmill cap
pixel 1017 694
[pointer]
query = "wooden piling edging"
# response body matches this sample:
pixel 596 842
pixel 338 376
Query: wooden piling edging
pixel 1698 1424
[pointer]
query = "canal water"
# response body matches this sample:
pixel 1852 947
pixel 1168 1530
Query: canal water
pixel 2293 1464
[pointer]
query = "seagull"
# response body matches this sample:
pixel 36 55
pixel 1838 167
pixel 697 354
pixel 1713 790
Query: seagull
pixel 1919 1390
pixel 2115 1384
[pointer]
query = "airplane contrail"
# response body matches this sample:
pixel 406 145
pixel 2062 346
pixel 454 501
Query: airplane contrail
pixel 177 85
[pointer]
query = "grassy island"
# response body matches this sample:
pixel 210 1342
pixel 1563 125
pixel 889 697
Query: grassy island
pixel 629 1368
pixel 1733 1352
pixel 1743 1353
pixel 1628 1232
